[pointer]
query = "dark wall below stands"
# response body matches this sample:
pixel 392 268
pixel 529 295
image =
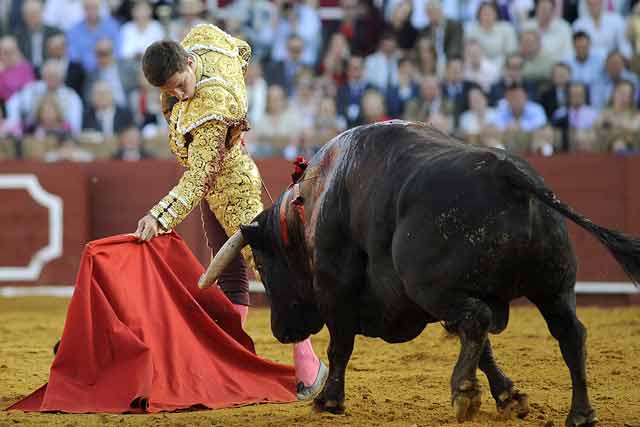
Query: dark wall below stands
pixel 105 198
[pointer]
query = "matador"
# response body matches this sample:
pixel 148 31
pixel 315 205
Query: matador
pixel 204 99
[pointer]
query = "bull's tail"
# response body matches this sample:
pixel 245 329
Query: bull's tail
pixel 624 248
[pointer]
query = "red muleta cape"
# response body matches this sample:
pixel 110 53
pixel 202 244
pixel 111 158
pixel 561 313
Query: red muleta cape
pixel 140 336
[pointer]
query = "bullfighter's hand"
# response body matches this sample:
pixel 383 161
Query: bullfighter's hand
pixel 148 228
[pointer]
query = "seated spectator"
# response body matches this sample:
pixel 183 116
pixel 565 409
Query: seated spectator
pixel 618 124
pixel 581 118
pixel 606 29
pixel 22 106
pixel 512 73
pixel 406 89
pixel 615 70
pixel 455 90
pixel 350 94
pixel 537 63
pixel 284 72
pixel 447 34
pixel 555 99
pixel 279 128
pixel 256 18
pixel 8 136
pixel 427 60
pixel 144 104
pixel 633 34
pixel 74 74
pixel 305 100
pixel 521 122
pixel 103 118
pixel 355 27
pixel 336 58
pixel 497 38
pixel 131 149
pixel 586 64
pixel 373 107
pixel 381 67
pixel 301 19
pixel 189 15
pixel 140 32
pixel 32 38
pixel 428 106
pixel 327 123
pixel 555 32
pixel 65 14
pixel 256 91
pixel 67 149
pixel 404 33
pixel 83 37
pixel 477 117
pixel 477 68
pixel 121 77
pixel 15 70
pixel 49 118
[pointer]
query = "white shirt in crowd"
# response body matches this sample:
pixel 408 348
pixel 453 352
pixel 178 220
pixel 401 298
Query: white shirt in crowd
pixel 608 36
pixel 136 40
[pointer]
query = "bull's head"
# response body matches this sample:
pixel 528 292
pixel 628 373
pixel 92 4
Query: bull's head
pixel 294 314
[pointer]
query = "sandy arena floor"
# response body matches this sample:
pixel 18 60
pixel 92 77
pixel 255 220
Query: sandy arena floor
pixel 391 385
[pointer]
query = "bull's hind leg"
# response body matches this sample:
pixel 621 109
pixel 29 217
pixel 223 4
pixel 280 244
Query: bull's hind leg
pixel 509 400
pixel 560 314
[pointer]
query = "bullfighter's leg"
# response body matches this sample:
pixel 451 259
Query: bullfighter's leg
pixel 509 400
pixel 560 314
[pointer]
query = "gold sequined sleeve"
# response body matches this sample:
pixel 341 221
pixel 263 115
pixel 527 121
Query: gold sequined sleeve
pixel 244 50
pixel 203 164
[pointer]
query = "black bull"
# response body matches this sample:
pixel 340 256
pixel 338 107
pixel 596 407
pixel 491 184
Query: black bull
pixel 395 225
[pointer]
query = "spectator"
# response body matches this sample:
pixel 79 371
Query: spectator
pixel 327 123
pixel 406 89
pixel 350 94
pixel 477 117
pixel 110 71
pixel 427 59
pixel 189 15
pixel 67 150
pixel 256 91
pixel 8 133
pixel 33 37
pixel 581 118
pixel 353 27
pixel 144 104
pixel 104 117
pixel 537 64
pixel 555 32
pixel 455 89
pixel 49 118
pixel 381 67
pixel 497 38
pixel 447 34
pixel 298 18
pixel 555 99
pixel 404 33
pixel 373 107
pixel 65 14
pixel 21 108
pixel 15 71
pixel 428 107
pixel 614 71
pixel 334 63
pixel 512 73
pixel 606 29
pixel 633 34
pixel 618 124
pixel 74 75
pixel 131 149
pixel 141 32
pixel 305 99
pixel 477 68
pixel 279 128
pixel 257 18
pixel 586 64
pixel 83 37
pixel 284 72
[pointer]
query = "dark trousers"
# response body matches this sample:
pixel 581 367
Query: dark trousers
pixel 234 281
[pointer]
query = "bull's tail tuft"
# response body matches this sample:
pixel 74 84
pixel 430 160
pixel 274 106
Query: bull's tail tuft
pixel 624 248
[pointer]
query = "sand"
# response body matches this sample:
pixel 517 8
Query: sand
pixel 387 385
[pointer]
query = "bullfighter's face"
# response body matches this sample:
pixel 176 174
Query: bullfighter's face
pixel 294 315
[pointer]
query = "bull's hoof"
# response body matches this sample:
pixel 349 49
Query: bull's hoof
pixel 582 419
pixel 466 401
pixel 330 405
pixel 513 403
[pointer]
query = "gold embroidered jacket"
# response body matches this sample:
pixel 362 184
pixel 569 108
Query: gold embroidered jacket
pixel 205 137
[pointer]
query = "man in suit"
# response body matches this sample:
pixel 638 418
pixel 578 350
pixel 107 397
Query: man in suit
pixel 555 99
pixel 455 89
pixel 349 96
pixel 446 34
pixel 74 74
pixel 283 73
pixel 513 68
pixel 112 71
pixel 104 116
pixel 32 38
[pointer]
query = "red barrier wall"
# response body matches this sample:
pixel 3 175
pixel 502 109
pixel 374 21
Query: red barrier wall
pixel 106 198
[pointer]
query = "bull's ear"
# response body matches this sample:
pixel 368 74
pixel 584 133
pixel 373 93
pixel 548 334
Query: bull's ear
pixel 253 234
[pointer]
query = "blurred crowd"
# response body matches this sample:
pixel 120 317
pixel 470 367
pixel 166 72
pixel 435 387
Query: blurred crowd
pixel 530 76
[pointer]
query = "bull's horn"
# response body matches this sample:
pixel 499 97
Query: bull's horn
pixel 223 258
